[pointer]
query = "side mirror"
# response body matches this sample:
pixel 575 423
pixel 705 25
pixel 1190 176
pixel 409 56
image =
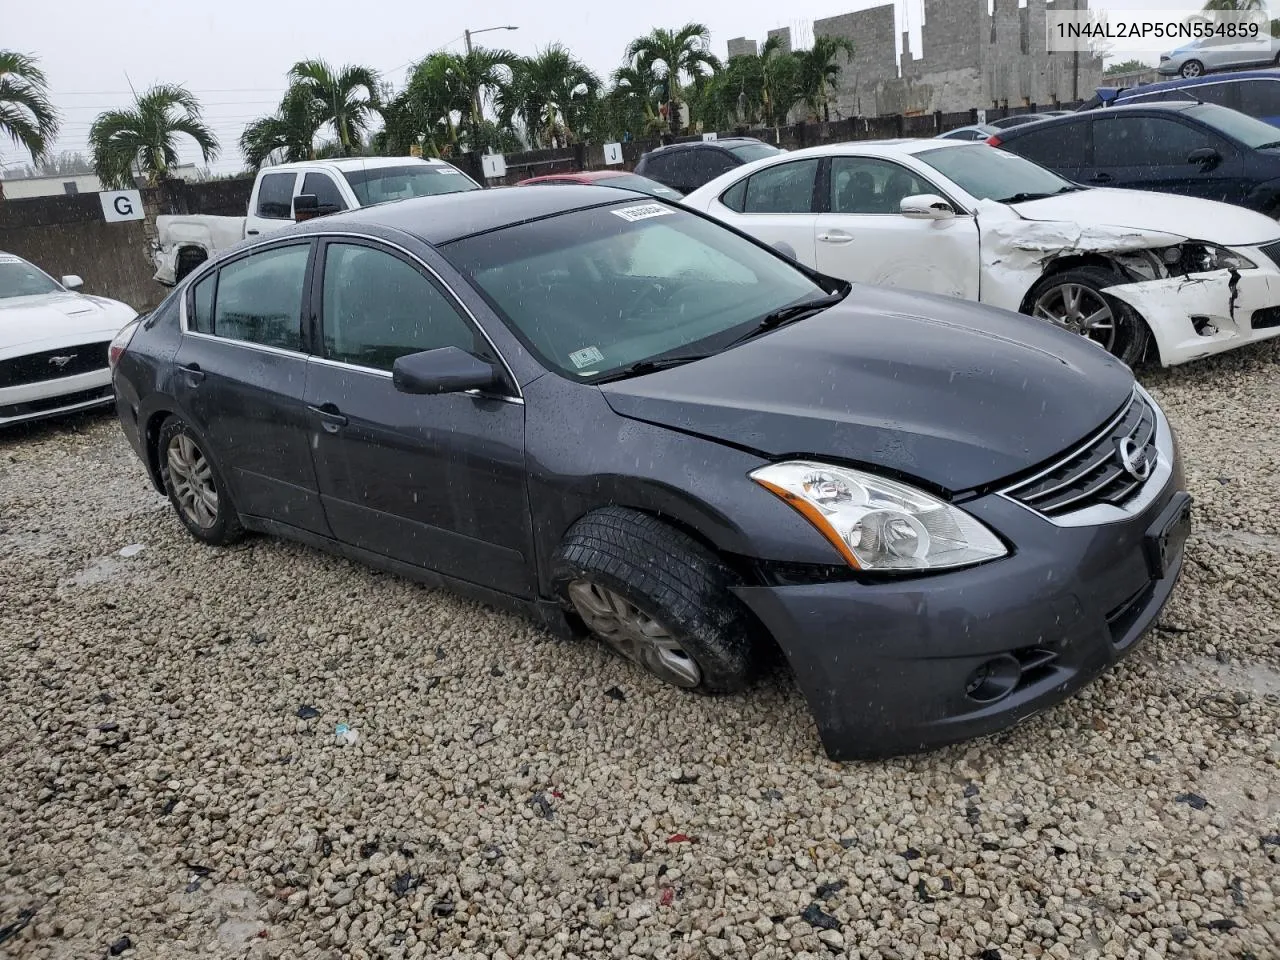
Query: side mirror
pixel 1207 157
pixel 72 282
pixel 444 370
pixel 926 206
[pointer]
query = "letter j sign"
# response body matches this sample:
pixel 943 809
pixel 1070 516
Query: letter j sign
pixel 120 205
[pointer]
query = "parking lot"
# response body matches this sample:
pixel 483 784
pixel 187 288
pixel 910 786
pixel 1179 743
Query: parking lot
pixel 174 786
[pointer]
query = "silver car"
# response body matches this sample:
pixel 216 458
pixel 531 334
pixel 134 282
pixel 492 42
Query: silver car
pixel 1205 56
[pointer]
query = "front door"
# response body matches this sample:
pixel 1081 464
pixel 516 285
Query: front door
pixel 434 481
pixel 240 374
pixel 1167 155
pixel 864 237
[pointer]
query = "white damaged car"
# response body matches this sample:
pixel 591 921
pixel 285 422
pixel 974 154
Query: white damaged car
pixel 54 343
pixel 1165 277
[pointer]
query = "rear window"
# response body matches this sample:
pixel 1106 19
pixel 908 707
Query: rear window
pixel 383 184
pixel 1059 146
pixel 746 152
pixel 631 181
pixel 1259 98
pixel 1253 133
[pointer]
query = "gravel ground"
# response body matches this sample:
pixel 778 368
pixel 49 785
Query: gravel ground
pixel 173 786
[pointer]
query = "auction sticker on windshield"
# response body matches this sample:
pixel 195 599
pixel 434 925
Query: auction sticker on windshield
pixel 586 357
pixel 643 212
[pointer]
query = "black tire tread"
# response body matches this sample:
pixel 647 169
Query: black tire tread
pixel 228 528
pixel 1099 277
pixel 672 577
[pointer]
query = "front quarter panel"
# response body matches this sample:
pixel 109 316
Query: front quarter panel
pixel 582 456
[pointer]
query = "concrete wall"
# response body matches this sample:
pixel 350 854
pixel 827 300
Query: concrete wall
pixel 50 186
pixel 742 47
pixel 63 235
pixel 783 34
pixel 969 59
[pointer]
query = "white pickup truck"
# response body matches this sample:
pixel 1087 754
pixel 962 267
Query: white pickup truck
pixel 184 242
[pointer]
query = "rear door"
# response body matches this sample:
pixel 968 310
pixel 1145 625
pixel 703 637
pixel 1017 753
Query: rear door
pixel 863 236
pixel 1064 147
pixel 272 203
pixel 433 481
pixel 1166 153
pixel 240 372
pixel 778 205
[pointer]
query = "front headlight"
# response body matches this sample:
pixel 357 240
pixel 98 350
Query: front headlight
pixel 1195 257
pixel 879 524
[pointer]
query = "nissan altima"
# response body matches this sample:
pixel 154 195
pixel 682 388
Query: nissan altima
pixel 641 425
pixel 53 343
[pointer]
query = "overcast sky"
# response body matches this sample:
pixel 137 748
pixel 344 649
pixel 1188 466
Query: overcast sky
pixel 233 54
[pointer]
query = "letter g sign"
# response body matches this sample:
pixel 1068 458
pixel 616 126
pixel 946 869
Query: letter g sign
pixel 121 205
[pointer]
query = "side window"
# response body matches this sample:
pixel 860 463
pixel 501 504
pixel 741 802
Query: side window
pixel 709 164
pixel 325 190
pixel 201 318
pixel 867 185
pixel 1062 146
pixel 658 167
pixel 1147 142
pixel 1259 98
pixel 275 196
pixel 378 308
pixel 785 188
pixel 1223 94
pixel 260 297
pixel 735 198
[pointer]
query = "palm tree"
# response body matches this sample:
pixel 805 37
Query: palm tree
pixel 817 72
pixel 439 102
pixel 145 134
pixel 551 92
pixel 27 116
pixel 288 134
pixel 779 82
pixel 347 99
pixel 636 90
pixel 671 54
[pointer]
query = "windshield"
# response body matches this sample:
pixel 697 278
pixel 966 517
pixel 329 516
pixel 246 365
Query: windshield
pixel 746 152
pixel 20 279
pixel 1253 133
pixel 381 184
pixel 597 290
pixel 989 173
pixel 631 181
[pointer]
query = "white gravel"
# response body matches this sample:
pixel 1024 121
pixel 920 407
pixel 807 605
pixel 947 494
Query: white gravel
pixel 159 784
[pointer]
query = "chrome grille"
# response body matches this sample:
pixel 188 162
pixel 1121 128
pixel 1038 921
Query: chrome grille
pixel 1094 472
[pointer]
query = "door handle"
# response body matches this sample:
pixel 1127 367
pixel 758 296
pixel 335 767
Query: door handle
pixel 193 373
pixel 835 236
pixel 251 233
pixel 330 417
pixel 1101 178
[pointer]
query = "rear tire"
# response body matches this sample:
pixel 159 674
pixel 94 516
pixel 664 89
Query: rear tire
pixel 188 259
pixel 658 598
pixel 1192 68
pixel 1073 299
pixel 195 486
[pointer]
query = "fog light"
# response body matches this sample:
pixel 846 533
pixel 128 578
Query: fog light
pixel 994 680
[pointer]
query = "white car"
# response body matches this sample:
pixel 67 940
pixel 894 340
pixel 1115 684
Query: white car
pixel 53 343
pixel 1123 267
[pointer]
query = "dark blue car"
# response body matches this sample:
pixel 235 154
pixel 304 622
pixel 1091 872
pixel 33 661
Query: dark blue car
pixel 1197 149
pixel 1253 92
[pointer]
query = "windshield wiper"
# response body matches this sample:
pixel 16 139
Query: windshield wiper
pixel 641 367
pixel 791 313
pixel 1269 145
pixel 1023 197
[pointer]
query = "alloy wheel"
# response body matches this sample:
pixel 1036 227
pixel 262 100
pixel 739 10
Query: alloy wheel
pixel 633 633
pixel 1080 309
pixel 192 479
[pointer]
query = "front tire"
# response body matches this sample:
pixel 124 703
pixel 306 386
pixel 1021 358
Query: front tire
pixel 1073 299
pixel 1192 68
pixel 195 486
pixel 658 598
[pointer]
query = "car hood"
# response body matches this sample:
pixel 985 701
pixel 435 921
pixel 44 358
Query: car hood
pixel 948 392
pixel 1188 217
pixel 57 318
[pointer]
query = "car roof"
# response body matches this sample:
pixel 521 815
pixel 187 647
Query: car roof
pixel 1198 81
pixel 359 163
pixel 451 216
pixel 1163 106
pixel 718 142
pixel 580 175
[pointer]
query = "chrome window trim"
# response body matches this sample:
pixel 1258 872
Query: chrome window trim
pixel 1101 514
pixel 295 238
pixel 386 375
